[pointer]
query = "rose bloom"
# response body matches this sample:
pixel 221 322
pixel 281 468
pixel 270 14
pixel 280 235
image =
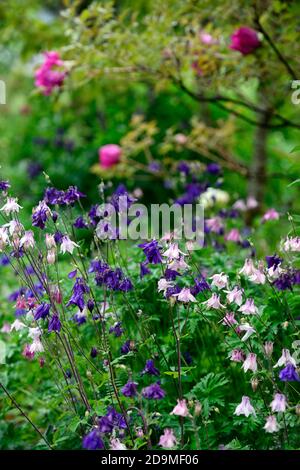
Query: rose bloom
pixel 109 155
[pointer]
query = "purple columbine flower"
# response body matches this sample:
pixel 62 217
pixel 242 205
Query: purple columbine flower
pixel 4 186
pixel 284 281
pixel 53 196
pixel 129 390
pixel 152 251
pixel 72 195
pixel 79 289
pixel 42 311
pixel 289 374
pixel 125 285
pixel 126 347
pixel 183 167
pixel 80 223
pixel 105 425
pixel 273 261
pixel 93 215
pixel 200 285
pixel 94 352
pixel 54 324
pixel 213 168
pixel 90 305
pixel 72 274
pixel 40 215
pixel 58 237
pixel 153 392
pixel 171 274
pixel 150 369
pixel 144 270
pixel 117 329
pixel 93 441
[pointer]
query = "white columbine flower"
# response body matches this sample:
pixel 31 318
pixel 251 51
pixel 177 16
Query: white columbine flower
pixel 17 325
pixel 235 296
pixel 11 206
pixel 285 359
pixel 14 227
pixel 116 444
pixel 248 269
pixel 271 424
pixel 67 246
pixel 258 277
pixel 250 363
pixel 173 252
pixel 3 238
pixel 245 408
pixel 248 329
pixel 163 285
pixel 219 280
pixel 279 403
pixel 36 346
pixel 185 295
pixel 34 333
pixel 27 241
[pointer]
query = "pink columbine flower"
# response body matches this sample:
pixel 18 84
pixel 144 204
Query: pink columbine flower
pixel 3 238
pixel 245 408
pixel 36 346
pixel 258 277
pixel 235 296
pixel 271 424
pixel 271 214
pixel 240 205
pixel 27 241
pixel 5 328
pixel 27 353
pixel 214 302
pixel 250 363
pixel 67 245
pixel 116 444
pixel 167 439
pixel 292 244
pixel 51 73
pixel 268 348
pixel 185 296
pixel 219 280
pixel 17 325
pixel 285 359
pixel 11 206
pixel 248 269
pixel 181 409
pixel 229 319
pixel 233 236
pixel 245 40
pixel 214 224
pixel 279 403
pixel 178 264
pixel 249 308
pixel 249 330
pixel 109 155
pixel 173 252
pixel 237 355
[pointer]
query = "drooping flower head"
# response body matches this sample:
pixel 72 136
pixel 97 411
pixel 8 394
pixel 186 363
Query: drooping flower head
pixel 245 408
pixel 181 409
pixel 152 251
pixel 279 403
pixel 153 392
pixel 245 40
pixel 129 390
pixel 168 439
pixel 150 368
pixel 93 440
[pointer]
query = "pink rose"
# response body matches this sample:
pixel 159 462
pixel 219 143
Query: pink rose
pixel 51 73
pixel 109 155
pixel 245 40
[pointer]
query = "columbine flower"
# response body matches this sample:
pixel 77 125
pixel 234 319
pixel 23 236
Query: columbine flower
pixel 268 348
pixel 149 368
pixel 93 440
pixel 292 244
pixel 167 439
pixel 17 325
pixel 26 352
pixel 248 329
pixel 245 408
pixel 214 302
pixel 250 363
pixel 214 224
pixel 36 347
pixel 185 295
pixel 248 269
pixel 279 403
pixel 258 276
pixel 153 392
pixel 42 311
pixel 219 280
pixel 151 250
pixel 4 186
pixel 249 308
pixel 233 236
pixel 50 241
pixel 173 252
pixel 116 444
pixel 271 214
pixel 27 241
pixel 271 424
pixel 34 333
pixel 3 238
pixel 178 264
pixel 235 296
pixel 237 355
pixel 163 285
pixel 181 409
pixel 285 359
pixel 54 324
pixel 40 215
pixel 67 246
pixel 117 329
pixel 11 206
pixel 289 374
pixel 129 390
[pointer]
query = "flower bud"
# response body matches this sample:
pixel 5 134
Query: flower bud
pixel 50 241
pixel 268 348
pixel 198 408
pixel 254 384
pixel 51 255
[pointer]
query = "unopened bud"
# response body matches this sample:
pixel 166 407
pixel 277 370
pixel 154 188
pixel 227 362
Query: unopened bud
pixel 268 348
pixel 51 255
pixel 254 384
pixel 198 408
